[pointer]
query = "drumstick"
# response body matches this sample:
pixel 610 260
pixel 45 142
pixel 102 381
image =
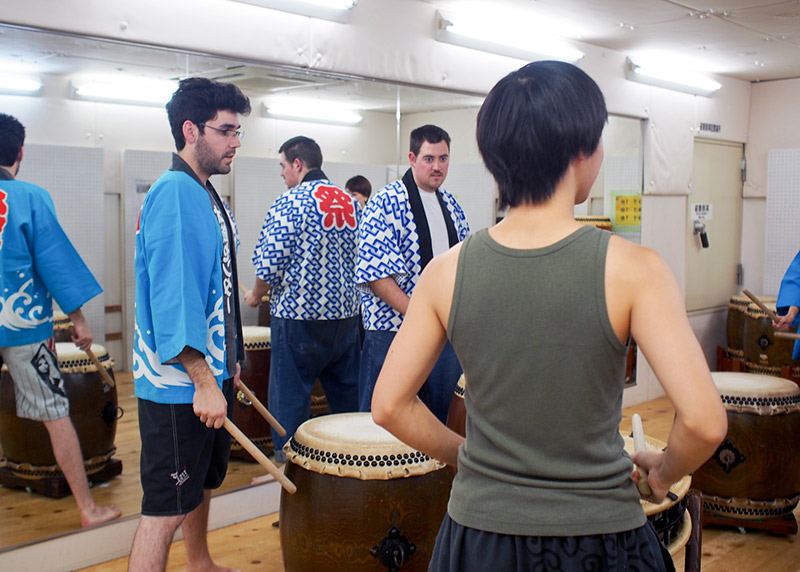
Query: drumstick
pixel 242 288
pixel 242 439
pixel 787 335
pixel 772 315
pixel 640 445
pixel 261 409
pixel 103 373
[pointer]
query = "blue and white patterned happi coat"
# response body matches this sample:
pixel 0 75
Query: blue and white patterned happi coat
pixel 389 246
pixel 307 253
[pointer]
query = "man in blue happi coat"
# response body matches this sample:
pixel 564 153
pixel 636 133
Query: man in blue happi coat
pixel 38 264
pixel 187 339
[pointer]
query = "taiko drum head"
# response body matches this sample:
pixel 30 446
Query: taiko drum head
pixel 256 337
pixel 352 445
pixel 756 393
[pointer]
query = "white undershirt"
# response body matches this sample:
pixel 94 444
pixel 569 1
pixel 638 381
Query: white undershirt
pixel 433 212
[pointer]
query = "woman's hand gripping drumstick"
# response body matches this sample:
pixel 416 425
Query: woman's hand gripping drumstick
pixel 261 409
pixel 262 459
pixel 639 445
pixel 772 315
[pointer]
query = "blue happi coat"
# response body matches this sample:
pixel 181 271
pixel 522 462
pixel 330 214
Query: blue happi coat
pixel 179 288
pixel 38 264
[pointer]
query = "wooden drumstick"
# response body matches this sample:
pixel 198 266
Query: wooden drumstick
pixel 103 373
pixel 639 445
pixel 261 409
pixel 242 288
pixel 772 315
pixel 787 335
pixel 262 459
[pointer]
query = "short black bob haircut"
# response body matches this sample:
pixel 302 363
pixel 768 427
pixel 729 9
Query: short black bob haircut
pixel 533 123
pixel 198 100
pixel 12 138
pixel 303 148
pixel 430 133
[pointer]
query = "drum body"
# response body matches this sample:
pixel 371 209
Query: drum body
pixel 457 413
pixel 93 409
pixel 255 374
pixel 362 498
pixel 762 349
pixel 755 472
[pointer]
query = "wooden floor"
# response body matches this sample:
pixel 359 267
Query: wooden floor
pixel 255 545
pixel 30 516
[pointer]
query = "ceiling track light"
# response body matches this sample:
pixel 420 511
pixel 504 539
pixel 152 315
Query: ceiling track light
pixel 528 46
pixel 149 94
pixel 313 111
pixel 671 78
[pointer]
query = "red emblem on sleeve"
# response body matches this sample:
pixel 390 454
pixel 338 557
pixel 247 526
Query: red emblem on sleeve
pixel 337 207
pixel 3 214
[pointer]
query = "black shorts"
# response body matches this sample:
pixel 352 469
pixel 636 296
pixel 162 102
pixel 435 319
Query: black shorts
pixel 181 457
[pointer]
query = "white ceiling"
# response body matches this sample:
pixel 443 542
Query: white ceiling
pixel 753 40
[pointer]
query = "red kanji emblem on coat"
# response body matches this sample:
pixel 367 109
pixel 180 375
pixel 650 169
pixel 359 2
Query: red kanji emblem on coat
pixel 337 207
pixel 3 214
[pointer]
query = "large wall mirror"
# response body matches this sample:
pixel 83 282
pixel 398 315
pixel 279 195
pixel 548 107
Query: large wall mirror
pixel 98 159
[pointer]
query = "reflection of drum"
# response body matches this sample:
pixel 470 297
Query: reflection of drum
pixel 601 222
pixel 264 317
pixel 61 326
pixel 255 374
pixel 319 401
pixel 457 414
pixel 755 472
pixel 760 346
pixel 669 517
pixel 734 327
pixel 93 410
pixel 363 498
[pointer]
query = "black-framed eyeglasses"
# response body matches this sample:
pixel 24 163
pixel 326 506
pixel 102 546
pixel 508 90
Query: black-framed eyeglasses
pixel 225 132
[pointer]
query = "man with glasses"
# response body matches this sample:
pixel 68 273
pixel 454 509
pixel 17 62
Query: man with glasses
pixel 306 256
pixel 187 339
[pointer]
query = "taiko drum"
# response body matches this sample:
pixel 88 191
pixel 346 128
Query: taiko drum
pixel 364 502
pixel 755 472
pixel 93 409
pixel 255 374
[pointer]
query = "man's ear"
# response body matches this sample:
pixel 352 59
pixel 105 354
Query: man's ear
pixel 20 154
pixel 190 132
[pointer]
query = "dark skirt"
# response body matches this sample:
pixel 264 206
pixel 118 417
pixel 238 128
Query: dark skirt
pixel 462 549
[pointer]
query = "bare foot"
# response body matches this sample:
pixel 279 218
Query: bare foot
pixel 100 514
pixel 213 568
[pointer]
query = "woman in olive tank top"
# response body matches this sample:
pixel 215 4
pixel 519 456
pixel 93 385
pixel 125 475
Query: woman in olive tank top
pixel 539 309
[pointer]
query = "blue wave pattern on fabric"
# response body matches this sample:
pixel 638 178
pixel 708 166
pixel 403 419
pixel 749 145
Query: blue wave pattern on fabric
pixel 179 288
pixel 389 247
pixel 307 250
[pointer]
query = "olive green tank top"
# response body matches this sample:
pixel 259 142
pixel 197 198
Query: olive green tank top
pixel 544 380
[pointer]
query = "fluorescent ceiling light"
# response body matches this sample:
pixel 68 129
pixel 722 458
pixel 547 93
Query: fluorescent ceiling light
pixel 314 110
pixel 511 37
pixel 19 85
pixel 336 10
pixel 143 93
pixel 668 75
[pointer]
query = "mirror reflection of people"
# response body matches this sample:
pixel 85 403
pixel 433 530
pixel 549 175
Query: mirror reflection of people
pixel 788 304
pixel 539 308
pixel 187 339
pixel 305 258
pixel 360 188
pixel 39 264
pixel 405 225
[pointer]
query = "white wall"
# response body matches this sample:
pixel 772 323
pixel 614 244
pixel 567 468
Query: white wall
pixel 394 40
